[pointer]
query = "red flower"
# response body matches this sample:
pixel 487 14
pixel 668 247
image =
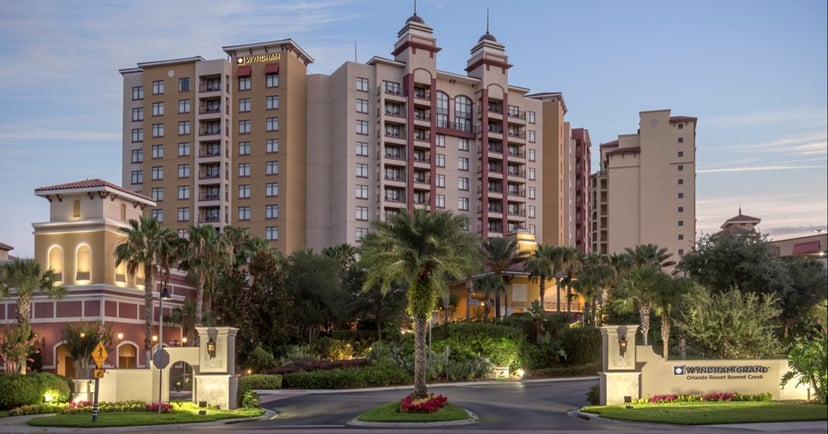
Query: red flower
pixel 430 404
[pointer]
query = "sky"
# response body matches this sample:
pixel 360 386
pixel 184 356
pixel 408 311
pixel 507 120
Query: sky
pixel 754 73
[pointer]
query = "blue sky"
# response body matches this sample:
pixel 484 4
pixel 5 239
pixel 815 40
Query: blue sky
pixel 753 71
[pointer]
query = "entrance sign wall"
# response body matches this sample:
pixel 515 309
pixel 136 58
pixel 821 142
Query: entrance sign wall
pixel 634 372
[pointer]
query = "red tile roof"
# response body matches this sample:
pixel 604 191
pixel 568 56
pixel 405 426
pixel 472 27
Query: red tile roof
pixel 88 184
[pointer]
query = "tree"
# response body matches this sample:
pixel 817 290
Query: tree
pixel 572 265
pixel 204 256
pixel 81 339
pixel 488 284
pixel 145 242
pixel 314 287
pixel 665 297
pixel 731 324
pixel 539 265
pixel 646 255
pixel 499 254
pixel 28 279
pixel 636 290
pixel 425 251
pixel 597 275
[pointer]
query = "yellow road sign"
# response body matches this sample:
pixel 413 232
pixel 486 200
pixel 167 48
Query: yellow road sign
pixel 98 373
pixel 99 355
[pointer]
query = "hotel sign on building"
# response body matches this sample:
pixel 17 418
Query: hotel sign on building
pixel 258 58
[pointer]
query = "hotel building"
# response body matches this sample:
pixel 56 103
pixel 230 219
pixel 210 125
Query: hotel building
pixel 309 160
pixel 645 190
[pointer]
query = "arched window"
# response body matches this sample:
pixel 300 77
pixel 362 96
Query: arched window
pixel 463 113
pixel 442 110
pixel 83 263
pixel 56 262
pixel 76 209
pixel 123 212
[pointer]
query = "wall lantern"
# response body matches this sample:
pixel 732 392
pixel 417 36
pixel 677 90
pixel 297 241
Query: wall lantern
pixel 622 344
pixel 211 348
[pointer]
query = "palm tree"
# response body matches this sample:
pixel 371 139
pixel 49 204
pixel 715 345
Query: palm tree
pixel 204 256
pixel 644 255
pixel 638 288
pixel 572 265
pixel 146 246
pixel 539 266
pixel 499 254
pixel 595 277
pixel 488 284
pixel 425 251
pixel 666 297
pixel 28 279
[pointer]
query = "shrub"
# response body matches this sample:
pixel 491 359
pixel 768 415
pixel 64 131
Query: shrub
pixel 547 352
pixel 260 360
pixel 370 376
pixel 250 383
pixel 250 399
pixel 19 390
pixel 594 395
pixel 57 388
pixel 582 345
pixel 332 349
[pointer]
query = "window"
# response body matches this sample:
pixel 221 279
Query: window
pixel 531 192
pixel 244 191
pixel 681 139
pixel 158 130
pixel 441 141
pixel 362 84
pixel 184 84
pixel 680 237
pixel 361 233
pixel 531 228
pixel 531 211
pixel 442 110
pixel 137 93
pixel 361 191
pixel 681 222
pixel 362 149
pixel 183 192
pixel 681 195
pixel 157 151
pixel 441 160
pixel 362 170
pixel 184 214
pixel 362 213
pixel 244 169
pixel 272 168
pixel 158 109
pixel 157 173
pixel 244 127
pixel 157 87
pixel 184 149
pixel 244 213
pixel 183 128
pixel 463 144
pixel 272 189
pixel 441 181
pixel 157 194
pixel 531 136
pixel 681 252
pixel 531 173
pixel 137 114
pixel 680 209
pixel 244 148
pixel 272 102
pixel 137 135
pixel 183 106
pixel 137 177
pixel 463 184
pixel 272 124
pixel 272 233
pixel 680 126
pixel 157 214
pixel 530 115
pixel 244 83
pixel 362 127
pixel 244 105
pixel 361 105
pixel 272 146
pixel 183 170
pixel 392 87
pixel 531 155
pixel 441 201
pixel 680 167
pixel 680 154
pixel 463 204
pixel 137 155
pixel 463 113
pixel 681 181
pixel 272 80
pixel 463 164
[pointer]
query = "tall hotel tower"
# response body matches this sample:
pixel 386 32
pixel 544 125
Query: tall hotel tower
pixel 311 160
pixel 645 191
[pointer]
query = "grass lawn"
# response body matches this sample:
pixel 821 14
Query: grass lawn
pixel 705 413
pixel 136 418
pixel 391 413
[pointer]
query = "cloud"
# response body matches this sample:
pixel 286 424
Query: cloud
pixel 779 212
pixel 804 115
pixel 760 168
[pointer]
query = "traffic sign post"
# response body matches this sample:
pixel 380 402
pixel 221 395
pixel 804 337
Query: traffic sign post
pixel 99 355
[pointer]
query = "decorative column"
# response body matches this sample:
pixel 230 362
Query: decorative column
pixel 620 380
pixel 216 381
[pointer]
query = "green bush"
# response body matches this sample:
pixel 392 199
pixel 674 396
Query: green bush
pixel 371 376
pixel 56 387
pixel 546 353
pixel 587 370
pixel 582 345
pixel 260 360
pixel 250 399
pixel 250 383
pixel 332 349
pixel 19 390
pixel 594 395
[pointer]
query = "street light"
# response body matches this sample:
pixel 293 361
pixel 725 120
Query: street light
pixel 160 361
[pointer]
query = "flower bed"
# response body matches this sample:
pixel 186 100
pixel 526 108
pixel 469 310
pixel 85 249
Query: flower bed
pixel 429 404
pixel 707 397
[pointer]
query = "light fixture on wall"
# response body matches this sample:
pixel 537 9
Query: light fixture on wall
pixel 622 343
pixel 211 348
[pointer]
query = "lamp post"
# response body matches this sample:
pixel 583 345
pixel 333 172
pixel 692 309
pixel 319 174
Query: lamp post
pixel 159 360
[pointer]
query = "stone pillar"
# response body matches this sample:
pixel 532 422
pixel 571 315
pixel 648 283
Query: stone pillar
pixel 619 376
pixel 217 382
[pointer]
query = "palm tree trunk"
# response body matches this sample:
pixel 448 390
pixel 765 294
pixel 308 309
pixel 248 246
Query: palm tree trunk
pixel 148 283
pixel 665 334
pixel 497 304
pixel 420 330
pixel 199 316
pixel 24 311
pixel 542 293
pixel 558 291
pixel 644 314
